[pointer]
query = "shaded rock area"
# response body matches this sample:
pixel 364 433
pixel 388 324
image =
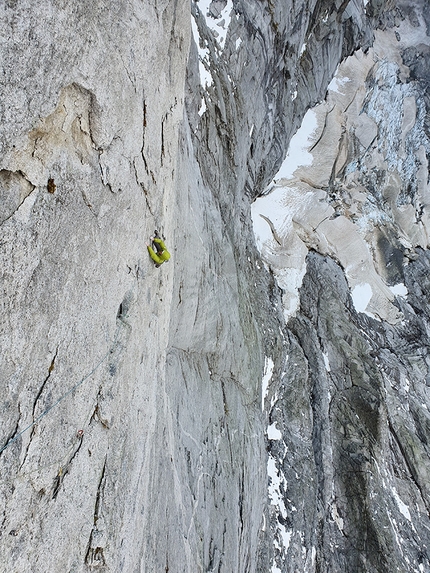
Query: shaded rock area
pixel 351 411
pixel 136 401
pixel 358 428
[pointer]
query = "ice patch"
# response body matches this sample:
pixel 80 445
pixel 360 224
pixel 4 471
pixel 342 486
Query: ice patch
pixel 268 371
pixel 399 290
pixel 298 154
pixel 361 295
pixel 273 433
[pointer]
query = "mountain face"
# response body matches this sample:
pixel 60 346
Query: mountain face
pixel 260 402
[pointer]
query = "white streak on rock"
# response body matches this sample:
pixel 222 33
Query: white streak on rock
pixel 326 362
pixel 268 371
pixel 403 508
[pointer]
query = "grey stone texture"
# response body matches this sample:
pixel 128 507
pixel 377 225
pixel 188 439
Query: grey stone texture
pixel 132 431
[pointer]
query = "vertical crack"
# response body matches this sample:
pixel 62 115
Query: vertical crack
pixel 14 432
pixel 94 555
pixel 145 192
pixel 64 470
pixel 50 369
pixel 33 429
pixel 162 139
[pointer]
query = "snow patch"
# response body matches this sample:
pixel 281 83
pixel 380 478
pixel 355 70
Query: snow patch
pixel 272 217
pixel 275 495
pixel 276 480
pixel 285 535
pixel 202 108
pixel 218 23
pixel 336 517
pixel 361 295
pixel 270 206
pixel 273 433
pixel 298 155
pixel 205 76
pixel 399 290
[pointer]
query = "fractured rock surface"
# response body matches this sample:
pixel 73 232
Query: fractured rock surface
pixel 169 419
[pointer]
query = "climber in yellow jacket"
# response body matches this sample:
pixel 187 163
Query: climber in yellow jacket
pixel 161 255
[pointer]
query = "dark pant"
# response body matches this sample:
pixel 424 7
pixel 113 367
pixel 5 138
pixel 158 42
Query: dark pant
pixel 157 248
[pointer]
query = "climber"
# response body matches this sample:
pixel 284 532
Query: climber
pixel 161 255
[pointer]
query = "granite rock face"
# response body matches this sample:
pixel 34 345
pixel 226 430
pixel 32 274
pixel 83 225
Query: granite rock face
pixel 171 419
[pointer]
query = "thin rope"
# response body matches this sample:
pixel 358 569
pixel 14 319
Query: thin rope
pixel 55 403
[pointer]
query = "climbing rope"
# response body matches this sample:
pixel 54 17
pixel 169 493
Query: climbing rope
pixel 110 351
pixel 45 412
pixel 34 422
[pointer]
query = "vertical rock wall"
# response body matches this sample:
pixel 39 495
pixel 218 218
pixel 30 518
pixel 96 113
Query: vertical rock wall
pixel 91 100
pixel 133 416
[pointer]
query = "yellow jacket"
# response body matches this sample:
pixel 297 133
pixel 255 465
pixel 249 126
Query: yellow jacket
pixel 162 255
